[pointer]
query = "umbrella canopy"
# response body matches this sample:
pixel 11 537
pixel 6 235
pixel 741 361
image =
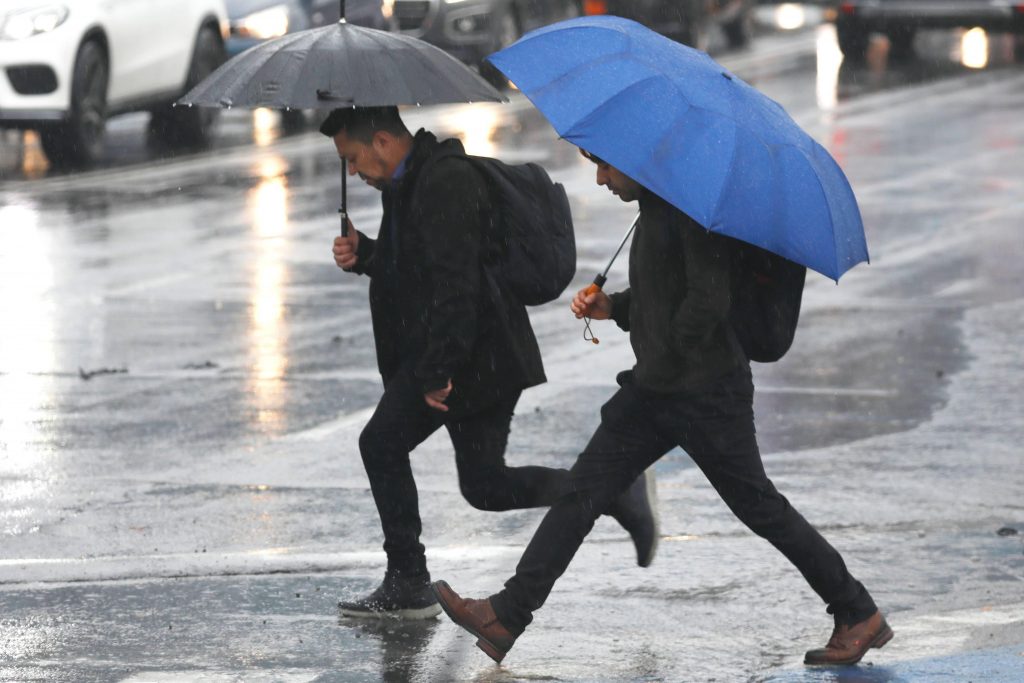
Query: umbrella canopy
pixel 686 128
pixel 341 65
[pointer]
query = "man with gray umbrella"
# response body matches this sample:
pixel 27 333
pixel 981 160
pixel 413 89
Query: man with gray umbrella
pixel 454 348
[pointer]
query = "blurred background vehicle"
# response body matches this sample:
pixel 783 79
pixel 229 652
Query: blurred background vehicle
pixel 68 66
pixel 686 21
pixel 254 21
pixel 900 20
pixel 377 14
pixel 472 29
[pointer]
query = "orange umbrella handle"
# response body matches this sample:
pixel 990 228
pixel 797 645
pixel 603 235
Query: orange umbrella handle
pixel 592 288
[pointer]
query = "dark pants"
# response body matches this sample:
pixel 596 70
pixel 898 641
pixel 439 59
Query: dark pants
pixel 716 428
pixel 401 422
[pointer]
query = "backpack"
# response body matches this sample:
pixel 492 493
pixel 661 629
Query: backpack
pixel 766 303
pixel 532 227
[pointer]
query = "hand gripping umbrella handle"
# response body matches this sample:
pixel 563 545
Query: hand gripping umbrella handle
pixel 592 288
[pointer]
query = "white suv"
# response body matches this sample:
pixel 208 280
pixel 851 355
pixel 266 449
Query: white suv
pixel 66 66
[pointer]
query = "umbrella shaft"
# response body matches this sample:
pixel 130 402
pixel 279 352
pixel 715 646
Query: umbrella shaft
pixel 344 190
pixel 618 251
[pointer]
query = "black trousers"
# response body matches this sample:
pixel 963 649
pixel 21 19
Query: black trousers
pixel 401 422
pixel 716 428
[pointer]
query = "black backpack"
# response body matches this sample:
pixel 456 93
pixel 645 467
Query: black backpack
pixel 766 302
pixel 532 227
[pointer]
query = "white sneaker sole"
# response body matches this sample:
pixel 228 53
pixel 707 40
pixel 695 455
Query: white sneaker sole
pixel 427 612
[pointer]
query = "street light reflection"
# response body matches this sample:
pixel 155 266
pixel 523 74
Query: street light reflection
pixel 27 352
pixel 790 16
pixel 268 210
pixel 475 125
pixel 830 59
pixel 974 49
pixel 264 127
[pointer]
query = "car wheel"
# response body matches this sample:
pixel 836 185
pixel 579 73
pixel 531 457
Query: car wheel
pixel 901 42
pixel 293 121
pixel 78 140
pixel 693 25
pixel 506 32
pixel 191 126
pixel 853 39
pixel 737 32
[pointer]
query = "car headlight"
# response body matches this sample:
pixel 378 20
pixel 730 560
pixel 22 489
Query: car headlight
pixel 268 23
pixel 21 24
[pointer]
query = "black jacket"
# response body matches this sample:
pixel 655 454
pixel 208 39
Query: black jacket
pixel 676 309
pixel 437 310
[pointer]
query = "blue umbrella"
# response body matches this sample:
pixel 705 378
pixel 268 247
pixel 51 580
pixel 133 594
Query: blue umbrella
pixel 686 128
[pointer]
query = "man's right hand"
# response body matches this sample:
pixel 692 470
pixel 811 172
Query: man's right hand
pixel 345 249
pixel 595 305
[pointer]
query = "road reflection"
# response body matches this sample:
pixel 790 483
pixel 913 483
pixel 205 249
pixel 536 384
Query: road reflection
pixel 267 206
pixel 402 645
pixel 27 351
pixel 475 125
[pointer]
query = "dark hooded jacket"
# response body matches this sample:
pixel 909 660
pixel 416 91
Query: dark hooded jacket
pixel 437 310
pixel 676 309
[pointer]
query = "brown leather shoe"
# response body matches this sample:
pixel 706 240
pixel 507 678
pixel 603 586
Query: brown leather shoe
pixel 849 643
pixel 477 617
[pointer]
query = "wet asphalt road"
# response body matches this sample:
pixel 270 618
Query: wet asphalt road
pixel 184 373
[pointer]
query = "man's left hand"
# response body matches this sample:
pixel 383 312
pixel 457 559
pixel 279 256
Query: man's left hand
pixel 436 398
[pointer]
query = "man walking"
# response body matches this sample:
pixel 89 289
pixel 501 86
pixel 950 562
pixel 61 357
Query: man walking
pixel 691 386
pixel 453 348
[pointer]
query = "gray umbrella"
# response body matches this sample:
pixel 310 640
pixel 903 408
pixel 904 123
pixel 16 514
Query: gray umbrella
pixel 341 65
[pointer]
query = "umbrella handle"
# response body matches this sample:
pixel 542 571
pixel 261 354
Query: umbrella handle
pixel 592 288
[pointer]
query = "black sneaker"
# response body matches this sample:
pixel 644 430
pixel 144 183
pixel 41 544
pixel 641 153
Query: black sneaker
pixel 398 597
pixel 636 510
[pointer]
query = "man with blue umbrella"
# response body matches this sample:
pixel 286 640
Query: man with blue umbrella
pixel 691 385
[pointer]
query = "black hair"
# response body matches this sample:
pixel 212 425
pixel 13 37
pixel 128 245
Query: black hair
pixel 360 123
pixel 593 157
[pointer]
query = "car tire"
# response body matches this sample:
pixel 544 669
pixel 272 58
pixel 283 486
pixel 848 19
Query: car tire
pixel 739 30
pixel 186 126
pixel 506 32
pixel 694 23
pixel 901 42
pixel 293 121
pixel 853 39
pixel 78 141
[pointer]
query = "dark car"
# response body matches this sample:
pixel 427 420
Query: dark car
pixel 686 21
pixel 472 29
pixel 900 20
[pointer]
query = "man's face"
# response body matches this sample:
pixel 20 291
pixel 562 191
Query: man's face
pixel 368 160
pixel 620 184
